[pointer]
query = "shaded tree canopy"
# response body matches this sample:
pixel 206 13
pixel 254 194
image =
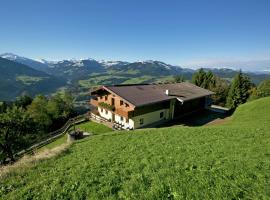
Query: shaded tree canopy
pixel 23 101
pixel 26 116
pixel 199 77
pixel 179 78
pixel 214 83
pixel 15 125
pixel 221 88
pixel 38 111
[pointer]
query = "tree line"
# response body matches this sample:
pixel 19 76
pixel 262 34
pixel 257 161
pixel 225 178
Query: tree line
pixel 231 94
pixel 27 120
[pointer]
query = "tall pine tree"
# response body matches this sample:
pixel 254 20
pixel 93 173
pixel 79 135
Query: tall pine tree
pixel 239 91
pixel 199 78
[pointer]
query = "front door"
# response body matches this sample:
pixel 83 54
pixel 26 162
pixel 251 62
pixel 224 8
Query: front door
pixel 113 117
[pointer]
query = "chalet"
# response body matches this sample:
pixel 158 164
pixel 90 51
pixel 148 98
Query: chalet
pixel 136 106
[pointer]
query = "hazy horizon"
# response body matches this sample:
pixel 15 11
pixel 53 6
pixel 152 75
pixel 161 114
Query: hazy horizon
pixel 245 65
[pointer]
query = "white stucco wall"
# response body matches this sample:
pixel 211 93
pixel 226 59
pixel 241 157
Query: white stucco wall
pixel 150 118
pixel 127 125
pixel 103 114
pixel 134 122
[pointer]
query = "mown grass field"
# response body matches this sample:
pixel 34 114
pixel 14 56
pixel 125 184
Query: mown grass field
pixel 93 127
pixel 231 161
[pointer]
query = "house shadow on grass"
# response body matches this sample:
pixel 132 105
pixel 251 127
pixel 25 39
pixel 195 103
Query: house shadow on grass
pixel 199 118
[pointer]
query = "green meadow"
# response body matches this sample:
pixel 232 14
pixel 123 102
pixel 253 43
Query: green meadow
pixel 29 80
pixel 230 161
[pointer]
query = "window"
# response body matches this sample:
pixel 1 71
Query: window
pixel 161 115
pixel 106 98
pixel 101 97
pixel 141 121
pixel 126 105
pixel 106 112
pixel 121 102
pixel 102 110
pixel 122 119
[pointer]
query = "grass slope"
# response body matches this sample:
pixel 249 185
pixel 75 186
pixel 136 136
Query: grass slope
pixel 231 161
pixel 93 127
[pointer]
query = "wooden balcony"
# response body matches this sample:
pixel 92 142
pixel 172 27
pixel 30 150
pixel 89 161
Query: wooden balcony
pixel 124 112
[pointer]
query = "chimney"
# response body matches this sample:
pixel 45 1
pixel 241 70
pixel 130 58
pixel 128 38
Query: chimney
pixel 167 92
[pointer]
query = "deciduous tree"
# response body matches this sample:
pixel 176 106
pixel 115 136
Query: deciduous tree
pixel 15 125
pixel 23 101
pixel 38 111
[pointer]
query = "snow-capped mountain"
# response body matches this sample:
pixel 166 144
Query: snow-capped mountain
pixel 11 56
pixel 78 69
pixel 75 69
pixel 112 63
pixel 38 65
pixel 41 60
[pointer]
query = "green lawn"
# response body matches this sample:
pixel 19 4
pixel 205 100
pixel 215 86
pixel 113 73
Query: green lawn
pixel 123 72
pixel 230 161
pixel 29 80
pixel 93 127
pixel 165 79
pixel 101 80
pixel 138 80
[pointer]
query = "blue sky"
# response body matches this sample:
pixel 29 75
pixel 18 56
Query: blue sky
pixel 178 32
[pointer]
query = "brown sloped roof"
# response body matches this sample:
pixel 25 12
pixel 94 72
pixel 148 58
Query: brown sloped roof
pixel 140 95
pixel 185 91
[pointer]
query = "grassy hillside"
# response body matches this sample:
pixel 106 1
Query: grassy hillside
pixel 16 78
pixel 94 128
pixel 231 161
pixel 253 114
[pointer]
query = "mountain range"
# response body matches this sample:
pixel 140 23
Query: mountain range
pixel 41 76
pixel 17 78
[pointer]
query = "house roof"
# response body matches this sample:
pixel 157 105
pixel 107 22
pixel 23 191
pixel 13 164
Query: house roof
pixel 185 91
pixel 139 95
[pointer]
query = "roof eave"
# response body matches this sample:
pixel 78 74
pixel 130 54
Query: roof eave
pixel 197 97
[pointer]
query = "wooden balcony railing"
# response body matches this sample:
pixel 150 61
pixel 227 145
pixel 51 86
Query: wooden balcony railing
pixel 125 112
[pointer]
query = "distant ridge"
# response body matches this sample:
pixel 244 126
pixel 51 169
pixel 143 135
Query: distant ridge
pixel 82 74
pixel 16 78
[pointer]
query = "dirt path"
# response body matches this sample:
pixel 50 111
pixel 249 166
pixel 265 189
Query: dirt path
pixel 218 121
